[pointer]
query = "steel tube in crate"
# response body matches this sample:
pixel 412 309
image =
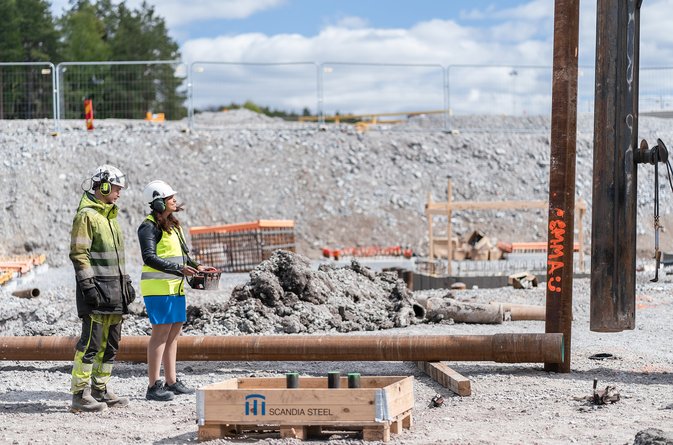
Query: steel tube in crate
pixel 502 348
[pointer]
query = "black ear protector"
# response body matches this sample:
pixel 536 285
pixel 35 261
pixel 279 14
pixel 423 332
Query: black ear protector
pixel 105 187
pixel 158 204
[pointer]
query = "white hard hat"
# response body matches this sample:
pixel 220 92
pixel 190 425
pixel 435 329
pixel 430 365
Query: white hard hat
pixel 157 189
pixel 111 174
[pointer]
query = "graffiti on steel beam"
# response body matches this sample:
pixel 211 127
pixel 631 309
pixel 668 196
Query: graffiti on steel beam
pixel 557 230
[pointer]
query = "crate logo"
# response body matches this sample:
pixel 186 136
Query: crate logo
pixel 255 404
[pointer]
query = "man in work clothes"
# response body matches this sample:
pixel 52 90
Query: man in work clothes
pixel 103 292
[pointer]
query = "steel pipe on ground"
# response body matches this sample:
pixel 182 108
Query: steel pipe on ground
pixel 27 293
pixel 502 348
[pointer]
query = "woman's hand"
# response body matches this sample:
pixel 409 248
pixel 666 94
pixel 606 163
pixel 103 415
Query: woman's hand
pixel 206 269
pixel 188 271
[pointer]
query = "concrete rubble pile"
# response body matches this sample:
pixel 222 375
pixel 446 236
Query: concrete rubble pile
pixel 285 295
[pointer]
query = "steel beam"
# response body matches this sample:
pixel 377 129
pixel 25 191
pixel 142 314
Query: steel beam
pixel 561 225
pixel 613 231
pixel 502 348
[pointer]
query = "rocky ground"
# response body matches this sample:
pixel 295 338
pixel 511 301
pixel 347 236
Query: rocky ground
pixel 342 188
pixel 510 403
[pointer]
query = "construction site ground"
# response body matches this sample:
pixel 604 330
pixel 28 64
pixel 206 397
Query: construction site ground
pixel 510 403
pixel 342 187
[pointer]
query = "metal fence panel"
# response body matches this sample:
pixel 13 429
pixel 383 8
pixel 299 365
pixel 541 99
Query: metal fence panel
pixel 435 97
pixel 656 91
pixel 506 90
pixel 123 90
pixel 27 90
pixel 379 92
pixel 289 87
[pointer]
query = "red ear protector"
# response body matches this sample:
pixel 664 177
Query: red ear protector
pixel 158 205
pixel 105 187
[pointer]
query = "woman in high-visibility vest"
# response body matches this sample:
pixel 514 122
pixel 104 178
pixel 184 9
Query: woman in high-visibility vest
pixel 162 285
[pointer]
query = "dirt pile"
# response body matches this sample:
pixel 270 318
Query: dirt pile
pixel 285 295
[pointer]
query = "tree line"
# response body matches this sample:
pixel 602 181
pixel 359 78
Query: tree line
pixel 88 31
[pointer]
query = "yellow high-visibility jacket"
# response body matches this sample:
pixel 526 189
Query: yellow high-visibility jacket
pixel 164 256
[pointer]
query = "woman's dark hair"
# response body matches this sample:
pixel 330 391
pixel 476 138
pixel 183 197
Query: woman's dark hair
pixel 169 223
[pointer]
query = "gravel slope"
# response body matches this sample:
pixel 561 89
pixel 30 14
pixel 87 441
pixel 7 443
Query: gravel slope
pixel 342 188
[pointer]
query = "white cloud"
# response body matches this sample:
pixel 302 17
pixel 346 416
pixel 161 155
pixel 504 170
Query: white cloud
pixel 376 81
pixel 352 22
pixel 180 12
pixel 521 35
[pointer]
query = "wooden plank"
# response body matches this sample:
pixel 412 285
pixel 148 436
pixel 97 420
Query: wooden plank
pixel 447 377
pixel 407 421
pixel 400 396
pixel 294 432
pixel 376 433
pixel 371 431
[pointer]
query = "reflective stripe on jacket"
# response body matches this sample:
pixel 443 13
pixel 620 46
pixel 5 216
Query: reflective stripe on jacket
pixel 158 282
pixel 96 241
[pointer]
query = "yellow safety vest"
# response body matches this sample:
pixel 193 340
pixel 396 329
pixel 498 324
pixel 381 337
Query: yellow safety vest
pixel 156 282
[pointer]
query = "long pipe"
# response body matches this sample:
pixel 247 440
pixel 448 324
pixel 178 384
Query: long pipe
pixel 503 348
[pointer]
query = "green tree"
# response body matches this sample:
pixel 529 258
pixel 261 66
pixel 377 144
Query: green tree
pixel 10 51
pixel 10 32
pixel 84 34
pixel 84 40
pixel 142 35
pixel 39 37
pixel 27 34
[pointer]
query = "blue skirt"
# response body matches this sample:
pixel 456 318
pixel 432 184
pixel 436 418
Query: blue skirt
pixel 166 309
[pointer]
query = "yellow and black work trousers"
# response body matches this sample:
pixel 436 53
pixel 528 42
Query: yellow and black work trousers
pixel 96 351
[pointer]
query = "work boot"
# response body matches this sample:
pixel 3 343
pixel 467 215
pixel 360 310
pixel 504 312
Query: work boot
pixel 158 392
pixel 83 402
pixel 109 398
pixel 178 388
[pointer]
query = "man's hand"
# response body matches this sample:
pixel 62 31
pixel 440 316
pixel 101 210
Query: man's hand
pixel 90 292
pixel 207 269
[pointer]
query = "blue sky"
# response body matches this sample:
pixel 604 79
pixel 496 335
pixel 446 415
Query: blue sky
pixel 485 32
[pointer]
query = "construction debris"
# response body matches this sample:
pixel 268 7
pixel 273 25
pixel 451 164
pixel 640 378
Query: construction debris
pixel 605 396
pixel 476 247
pixel 522 280
pixel 437 401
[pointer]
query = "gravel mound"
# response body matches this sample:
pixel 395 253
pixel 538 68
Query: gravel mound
pixel 342 187
pixel 285 295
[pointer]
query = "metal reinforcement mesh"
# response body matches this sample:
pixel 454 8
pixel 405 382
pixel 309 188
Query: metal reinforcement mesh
pixel 239 249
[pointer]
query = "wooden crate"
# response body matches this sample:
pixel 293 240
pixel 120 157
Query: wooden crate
pixel 380 406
